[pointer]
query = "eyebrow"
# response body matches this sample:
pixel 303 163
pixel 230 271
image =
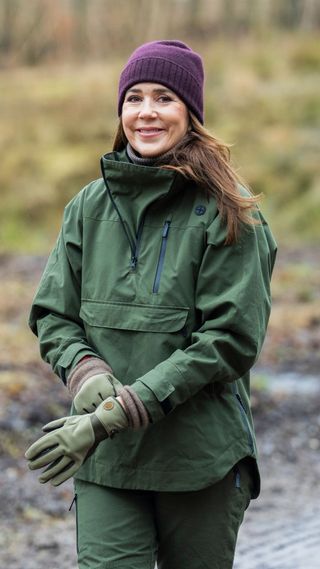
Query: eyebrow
pixel 160 90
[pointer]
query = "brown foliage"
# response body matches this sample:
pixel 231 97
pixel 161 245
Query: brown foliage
pixel 82 30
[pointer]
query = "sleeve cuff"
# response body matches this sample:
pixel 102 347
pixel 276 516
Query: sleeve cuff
pixel 149 400
pixel 70 358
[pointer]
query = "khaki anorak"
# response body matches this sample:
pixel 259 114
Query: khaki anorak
pixel 141 277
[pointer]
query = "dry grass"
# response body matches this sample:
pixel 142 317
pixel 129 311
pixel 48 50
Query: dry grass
pixel 261 96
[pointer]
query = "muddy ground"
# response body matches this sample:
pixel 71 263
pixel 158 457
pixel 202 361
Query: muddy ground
pixel 38 531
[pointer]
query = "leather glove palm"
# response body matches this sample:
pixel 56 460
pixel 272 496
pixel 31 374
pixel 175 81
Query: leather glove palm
pixel 70 440
pixel 95 390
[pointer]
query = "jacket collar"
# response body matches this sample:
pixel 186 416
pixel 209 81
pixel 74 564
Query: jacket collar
pixel 133 188
pixel 146 183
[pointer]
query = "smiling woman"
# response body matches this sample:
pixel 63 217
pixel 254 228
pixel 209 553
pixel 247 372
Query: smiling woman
pixel 152 309
pixel 154 119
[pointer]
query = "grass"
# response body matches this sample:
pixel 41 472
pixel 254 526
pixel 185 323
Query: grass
pixel 261 96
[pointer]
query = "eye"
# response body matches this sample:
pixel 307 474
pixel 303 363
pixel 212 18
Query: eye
pixel 165 99
pixel 132 99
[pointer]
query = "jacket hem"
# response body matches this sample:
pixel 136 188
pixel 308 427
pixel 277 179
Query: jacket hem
pixel 184 480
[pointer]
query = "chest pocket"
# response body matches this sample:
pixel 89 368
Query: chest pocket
pixel 139 317
pixel 163 248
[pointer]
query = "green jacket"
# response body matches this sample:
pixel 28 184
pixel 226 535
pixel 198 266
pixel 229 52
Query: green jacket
pixel 140 277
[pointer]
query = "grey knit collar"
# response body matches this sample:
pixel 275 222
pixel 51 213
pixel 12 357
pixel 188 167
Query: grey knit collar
pixel 153 161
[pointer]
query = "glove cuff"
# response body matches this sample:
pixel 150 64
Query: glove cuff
pixel 112 416
pixel 136 412
pixel 85 368
pixel 99 430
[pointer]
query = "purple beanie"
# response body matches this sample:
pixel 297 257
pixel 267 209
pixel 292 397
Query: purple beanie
pixel 170 63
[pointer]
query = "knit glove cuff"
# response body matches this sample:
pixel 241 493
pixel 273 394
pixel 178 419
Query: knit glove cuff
pixel 135 410
pixel 87 367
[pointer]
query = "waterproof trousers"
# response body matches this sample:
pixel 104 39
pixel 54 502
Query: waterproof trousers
pixel 134 529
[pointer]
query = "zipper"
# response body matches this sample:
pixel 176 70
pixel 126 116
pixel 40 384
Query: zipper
pixel 136 248
pixel 237 477
pixel 244 416
pixel 73 501
pixel 133 244
pixel 164 240
pixel 77 523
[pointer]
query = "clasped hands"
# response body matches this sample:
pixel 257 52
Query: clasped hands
pixel 70 440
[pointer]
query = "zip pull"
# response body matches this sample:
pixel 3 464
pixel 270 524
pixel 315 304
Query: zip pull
pixel 165 230
pixel 133 262
pixel 135 250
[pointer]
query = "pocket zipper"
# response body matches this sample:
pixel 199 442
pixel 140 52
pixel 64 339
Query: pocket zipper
pixel 157 278
pixel 244 416
pixel 237 477
pixel 73 502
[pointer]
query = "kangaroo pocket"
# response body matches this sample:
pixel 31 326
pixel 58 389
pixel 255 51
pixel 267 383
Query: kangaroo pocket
pixel 134 338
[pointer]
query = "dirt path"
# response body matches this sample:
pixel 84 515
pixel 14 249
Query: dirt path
pixel 282 527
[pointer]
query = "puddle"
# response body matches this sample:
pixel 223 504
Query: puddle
pixel 289 383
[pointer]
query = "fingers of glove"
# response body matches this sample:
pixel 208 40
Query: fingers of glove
pixel 55 468
pixel 45 457
pixel 95 390
pixel 67 473
pixel 80 402
pixel 53 425
pixel 79 410
pixel 41 446
pixel 116 384
pixel 90 408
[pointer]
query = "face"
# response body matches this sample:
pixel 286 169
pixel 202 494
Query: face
pixel 154 119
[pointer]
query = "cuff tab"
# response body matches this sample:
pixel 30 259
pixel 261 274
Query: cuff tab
pixel 166 406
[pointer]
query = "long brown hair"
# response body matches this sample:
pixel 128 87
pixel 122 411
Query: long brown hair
pixel 201 157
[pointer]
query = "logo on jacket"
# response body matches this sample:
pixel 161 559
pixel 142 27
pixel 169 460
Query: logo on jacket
pixel 200 210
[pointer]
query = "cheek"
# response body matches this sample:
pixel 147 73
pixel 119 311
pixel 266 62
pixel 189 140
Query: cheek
pixel 127 120
pixel 181 117
pixel 181 124
pixel 128 131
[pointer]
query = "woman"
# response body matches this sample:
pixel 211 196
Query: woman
pixel 152 309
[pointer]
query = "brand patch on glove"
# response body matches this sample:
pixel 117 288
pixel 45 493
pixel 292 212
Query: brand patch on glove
pixel 108 405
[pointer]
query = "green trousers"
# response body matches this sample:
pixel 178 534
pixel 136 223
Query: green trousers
pixel 133 529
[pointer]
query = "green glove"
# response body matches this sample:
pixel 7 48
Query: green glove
pixel 94 390
pixel 70 440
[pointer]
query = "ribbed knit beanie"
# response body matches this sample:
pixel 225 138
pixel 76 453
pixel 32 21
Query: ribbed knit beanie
pixel 170 63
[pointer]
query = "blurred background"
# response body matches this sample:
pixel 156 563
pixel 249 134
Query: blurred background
pixel 59 67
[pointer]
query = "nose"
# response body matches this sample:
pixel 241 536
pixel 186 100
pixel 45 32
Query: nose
pixel 147 109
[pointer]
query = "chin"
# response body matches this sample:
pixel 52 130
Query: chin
pixel 151 152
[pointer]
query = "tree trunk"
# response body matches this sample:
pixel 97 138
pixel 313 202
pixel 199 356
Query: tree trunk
pixel 309 15
pixel 8 22
pixel 80 8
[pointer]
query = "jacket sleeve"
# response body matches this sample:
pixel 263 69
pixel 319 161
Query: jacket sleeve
pixel 54 316
pixel 233 302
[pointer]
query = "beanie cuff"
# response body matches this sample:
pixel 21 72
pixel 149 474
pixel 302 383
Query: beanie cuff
pixel 171 64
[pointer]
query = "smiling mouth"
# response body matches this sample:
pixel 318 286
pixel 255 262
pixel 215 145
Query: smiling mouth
pixel 149 131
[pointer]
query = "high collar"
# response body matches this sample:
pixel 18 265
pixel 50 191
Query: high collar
pixel 152 161
pixel 138 181
pixel 134 188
